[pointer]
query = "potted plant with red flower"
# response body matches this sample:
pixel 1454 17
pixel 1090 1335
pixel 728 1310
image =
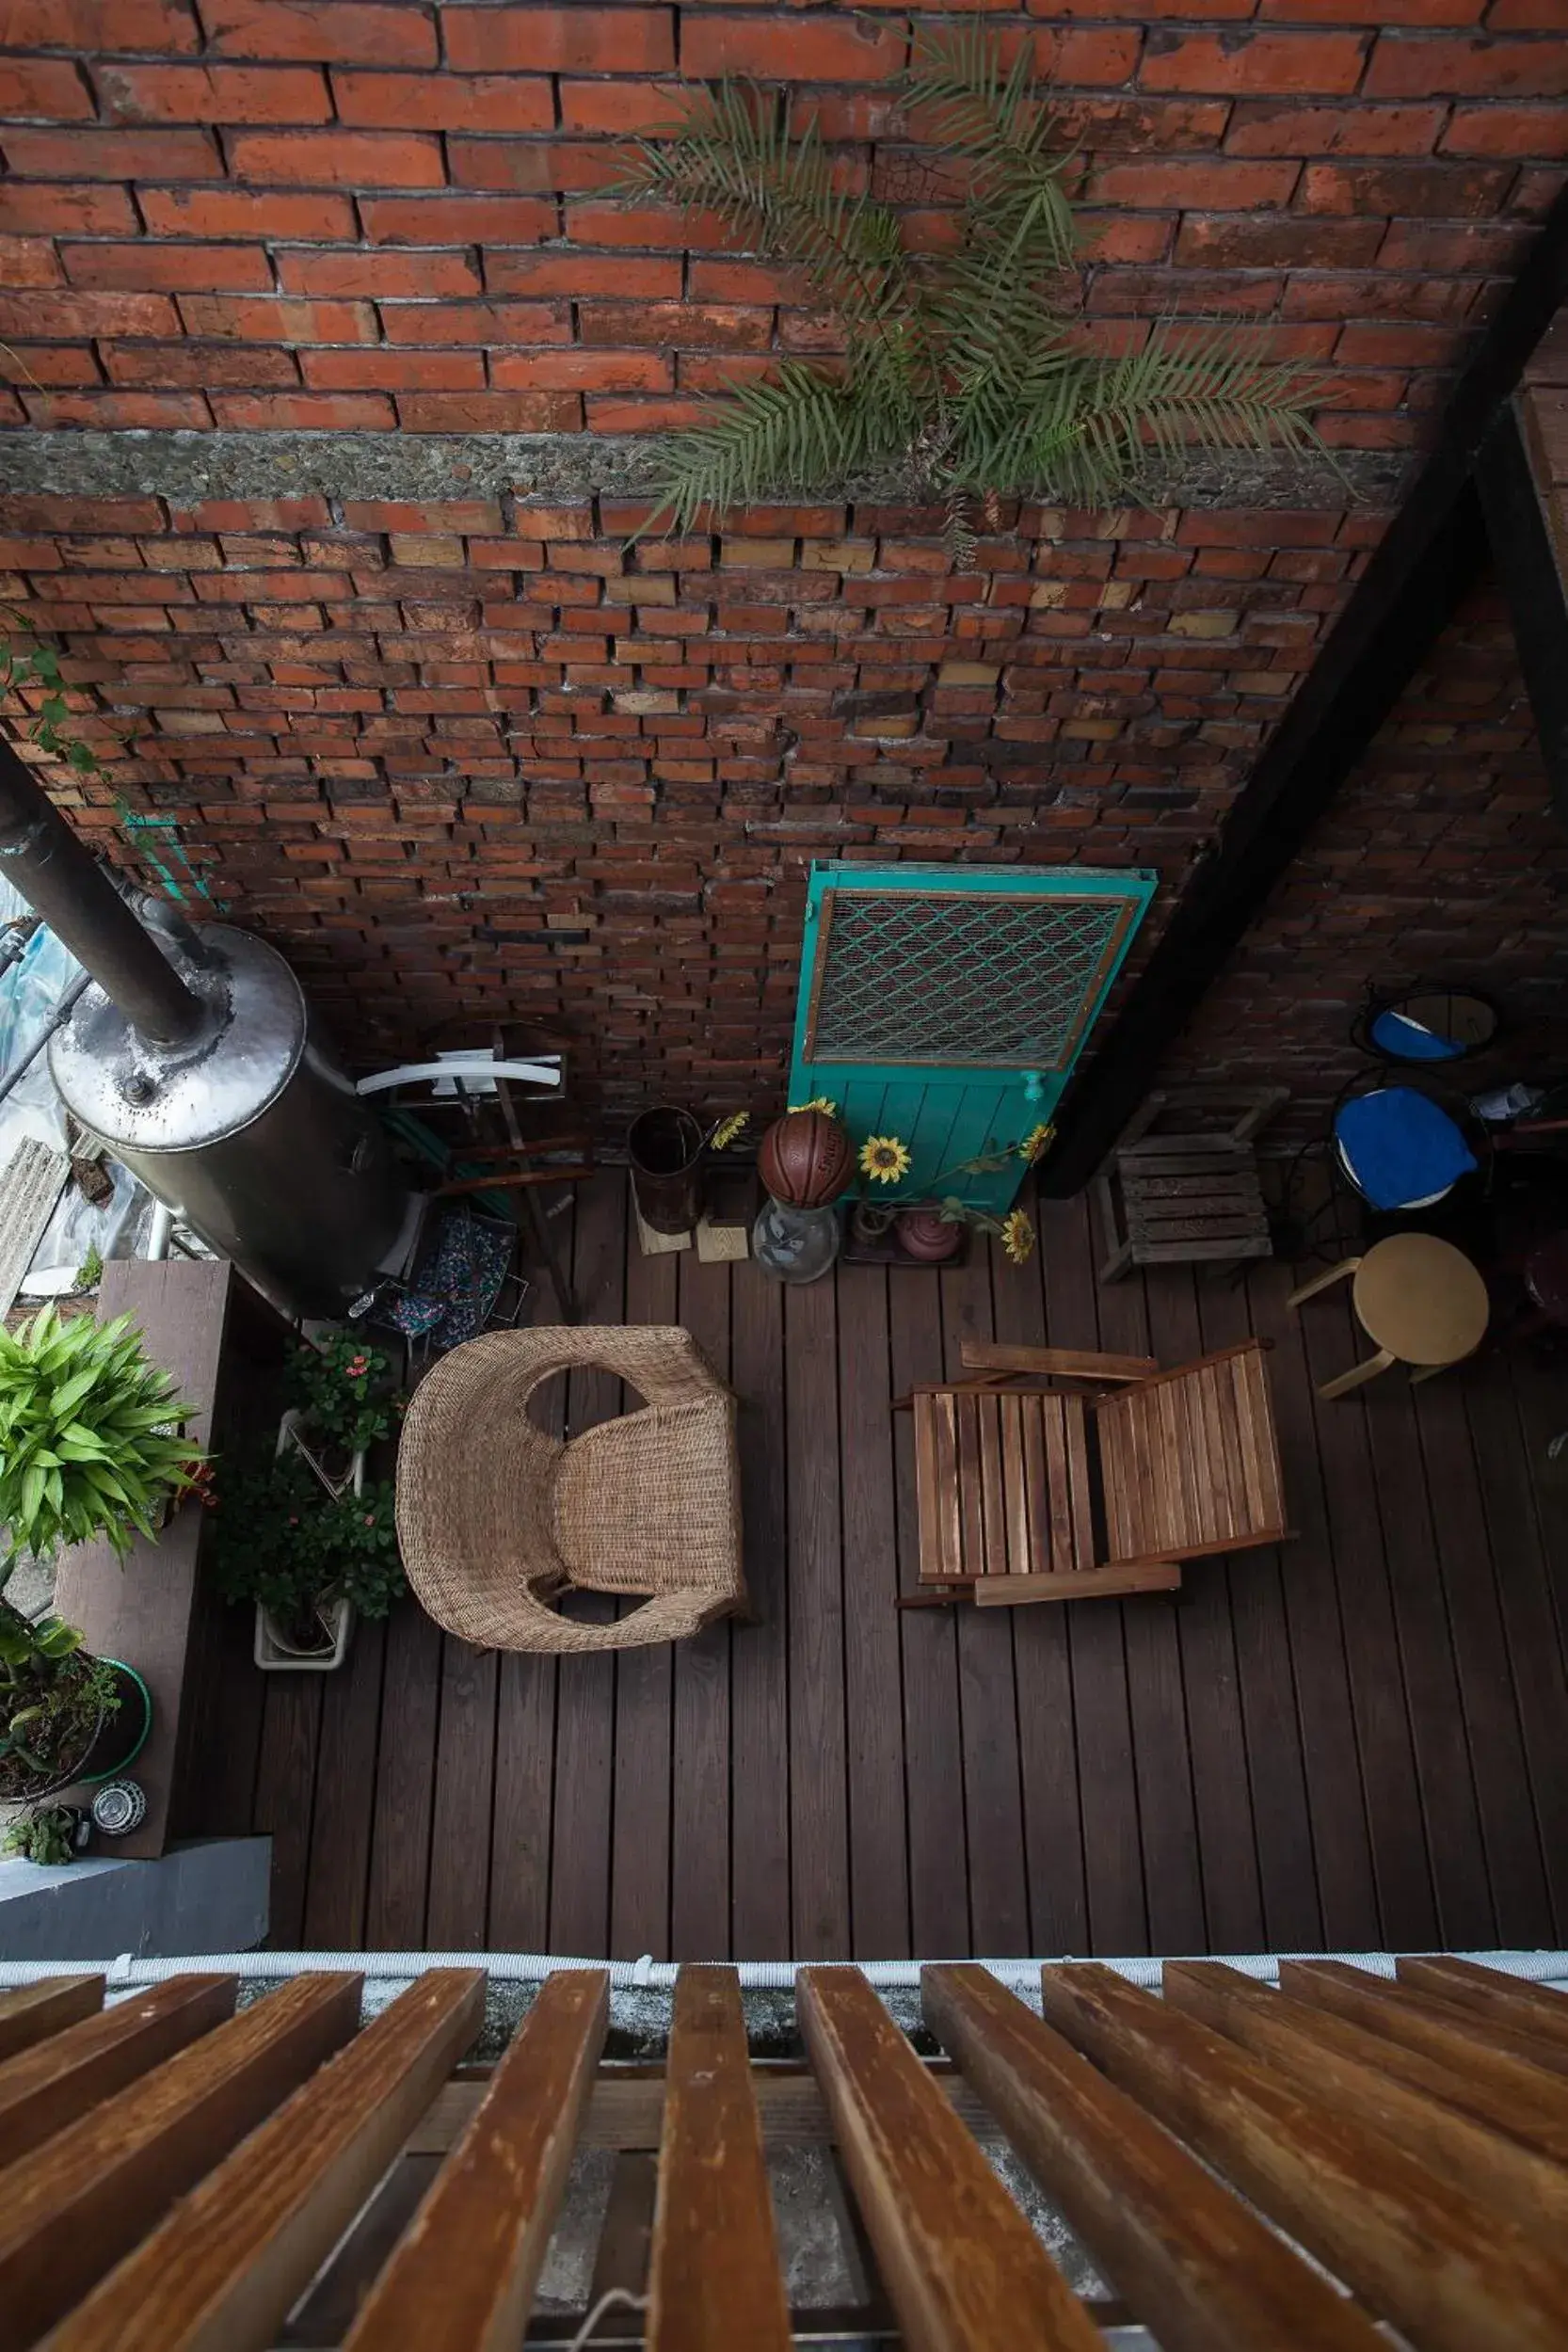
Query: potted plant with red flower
pixel 344 1401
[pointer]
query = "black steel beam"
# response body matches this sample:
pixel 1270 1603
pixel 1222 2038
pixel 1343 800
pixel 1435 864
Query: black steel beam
pixel 1520 539
pixel 1429 556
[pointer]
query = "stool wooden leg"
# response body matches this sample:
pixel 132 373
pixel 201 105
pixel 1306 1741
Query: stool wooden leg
pixel 1419 1372
pixel 1320 1281
pixel 1357 1374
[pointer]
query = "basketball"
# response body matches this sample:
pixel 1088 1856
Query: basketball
pixel 804 1158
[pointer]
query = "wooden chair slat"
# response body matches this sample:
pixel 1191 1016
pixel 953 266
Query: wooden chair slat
pixel 464 2273
pixel 1486 1994
pixel 43 2089
pixel 1525 2189
pixel 1036 1420
pixel 1260 1442
pixel 715 2282
pixel 32 2012
pixel 1084 1584
pixel 1354 2197
pixel 1059 1501
pixel 962 2269
pixel 1466 2041
pixel 993 1514
pixel 1000 1355
pixel 1199 2269
pixel 1075 1426
pixel 950 1541
pixel 220 2273
pixel 971 1519
pixel 73 2207
pixel 929 1501
pixel 1015 1486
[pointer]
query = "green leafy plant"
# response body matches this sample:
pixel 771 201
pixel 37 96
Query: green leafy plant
pixel 47 1834
pixel 280 1538
pixel 89 1273
pixel 343 1390
pixel 53 1697
pixel 89 1435
pixel 25 663
pixel 972 367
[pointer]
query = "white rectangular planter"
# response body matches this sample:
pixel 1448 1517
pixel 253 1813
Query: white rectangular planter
pixel 271 1655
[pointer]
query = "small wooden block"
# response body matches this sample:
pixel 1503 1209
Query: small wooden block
pixel 717 1243
pixel 657 1244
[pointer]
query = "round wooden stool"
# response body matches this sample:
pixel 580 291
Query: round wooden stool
pixel 1418 1300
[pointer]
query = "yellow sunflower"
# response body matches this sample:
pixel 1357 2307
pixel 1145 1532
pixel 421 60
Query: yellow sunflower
pixel 1018 1236
pixel 818 1102
pixel 1036 1142
pixel 727 1130
pixel 885 1158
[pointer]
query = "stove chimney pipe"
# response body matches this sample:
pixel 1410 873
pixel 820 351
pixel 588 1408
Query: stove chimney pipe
pixel 59 875
pixel 195 1059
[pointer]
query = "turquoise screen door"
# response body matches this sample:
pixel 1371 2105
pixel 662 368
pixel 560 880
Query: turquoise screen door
pixel 947 1004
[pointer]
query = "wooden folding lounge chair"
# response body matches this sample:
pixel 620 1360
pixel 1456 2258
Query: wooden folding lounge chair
pixel 1052 1476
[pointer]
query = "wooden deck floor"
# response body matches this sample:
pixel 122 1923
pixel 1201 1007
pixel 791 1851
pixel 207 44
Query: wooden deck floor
pixel 1359 1741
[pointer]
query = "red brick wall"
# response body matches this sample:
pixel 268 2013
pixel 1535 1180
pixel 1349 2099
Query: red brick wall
pixel 475 757
pixel 263 214
pixel 472 757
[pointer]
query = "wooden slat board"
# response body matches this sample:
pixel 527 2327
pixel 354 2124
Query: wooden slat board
pixel 1343 1816
pixel 715 2282
pixel 1257 2182
pixel 32 2012
pixel 44 2088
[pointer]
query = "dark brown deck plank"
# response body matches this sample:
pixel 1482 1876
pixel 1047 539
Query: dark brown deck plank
pixel 1112 1848
pixel 1407 1905
pixel 399 1884
pixel 1157 1696
pixel 1528 1525
pixel 1510 1833
pixel 1042 1664
pixel 988 1697
pixel 640 1819
pixel 343 1819
pixel 585 1703
pixel 759 1677
pixel 1465 1920
pixel 1270 1732
pixel 932 1755
pixel 699 1827
pixel 527 1688
pixel 285 1793
pixel 1222 1791
pixel 878 1819
pixel 458 1902
pixel 819 1797
pixel 1335 1795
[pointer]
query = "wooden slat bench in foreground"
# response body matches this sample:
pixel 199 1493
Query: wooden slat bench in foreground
pixel 1247 2169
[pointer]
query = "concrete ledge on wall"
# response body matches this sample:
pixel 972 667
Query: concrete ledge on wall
pixel 207 1895
pixel 188 466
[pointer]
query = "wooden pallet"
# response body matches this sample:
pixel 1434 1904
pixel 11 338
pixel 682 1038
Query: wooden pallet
pixel 1252 2168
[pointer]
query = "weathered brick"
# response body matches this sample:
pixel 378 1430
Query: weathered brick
pixel 238 213
pixel 333 31
pixel 445 102
pixel 787 49
pixel 368 276
pixel 212 93
pixel 456 220
pixel 564 40
pixel 149 268
pixel 50 89
pixel 96 155
pixel 352 159
pixel 1326 63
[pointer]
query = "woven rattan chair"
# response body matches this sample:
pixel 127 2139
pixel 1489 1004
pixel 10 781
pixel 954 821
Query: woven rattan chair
pixel 495 1517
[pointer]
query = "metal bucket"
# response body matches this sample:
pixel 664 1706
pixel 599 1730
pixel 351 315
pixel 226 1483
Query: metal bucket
pixel 665 1146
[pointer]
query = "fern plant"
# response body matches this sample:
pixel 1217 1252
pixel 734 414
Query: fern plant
pixel 969 369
